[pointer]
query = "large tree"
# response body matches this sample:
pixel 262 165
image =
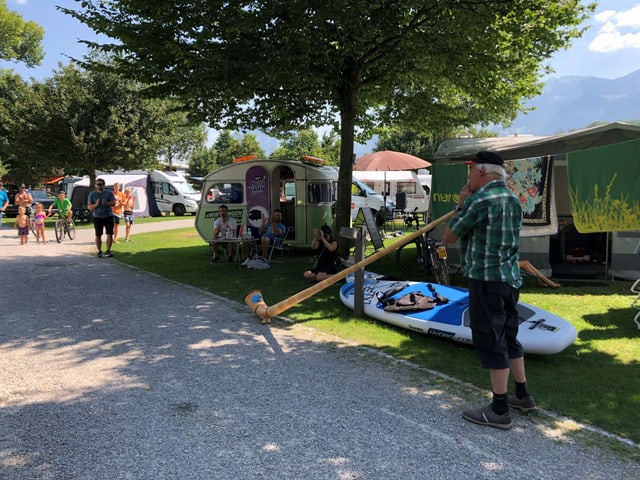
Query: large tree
pixel 79 122
pixel 285 65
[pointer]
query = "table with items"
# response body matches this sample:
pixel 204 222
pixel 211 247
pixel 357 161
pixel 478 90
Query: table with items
pixel 235 243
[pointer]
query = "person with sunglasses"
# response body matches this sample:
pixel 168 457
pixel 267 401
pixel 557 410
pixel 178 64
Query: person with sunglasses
pixel 100 203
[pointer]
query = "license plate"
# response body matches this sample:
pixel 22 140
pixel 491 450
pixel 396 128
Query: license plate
pixel 442 252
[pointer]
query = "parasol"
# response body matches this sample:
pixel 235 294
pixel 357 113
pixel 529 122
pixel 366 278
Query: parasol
pixel 389 160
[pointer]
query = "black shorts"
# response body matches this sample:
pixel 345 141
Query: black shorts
pixel 494 322
pixel 100 224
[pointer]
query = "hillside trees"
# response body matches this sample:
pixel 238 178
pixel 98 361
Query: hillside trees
pixel 288 65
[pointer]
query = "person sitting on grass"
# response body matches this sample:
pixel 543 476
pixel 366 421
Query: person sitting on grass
pixel 326 247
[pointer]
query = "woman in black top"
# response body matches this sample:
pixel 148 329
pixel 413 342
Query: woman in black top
pixel 326 247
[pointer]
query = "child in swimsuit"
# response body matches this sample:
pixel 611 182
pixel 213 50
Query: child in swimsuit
pixel 39 218
pixel 22 224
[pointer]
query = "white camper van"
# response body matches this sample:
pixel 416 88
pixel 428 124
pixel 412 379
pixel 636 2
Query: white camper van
pixel 173 193
pixel 363 196
pixel 402 186
pixel 304 191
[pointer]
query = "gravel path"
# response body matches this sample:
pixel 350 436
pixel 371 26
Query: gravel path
pixel 112 373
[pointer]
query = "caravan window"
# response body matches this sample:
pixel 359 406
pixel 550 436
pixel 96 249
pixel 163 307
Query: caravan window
pixel 225 193
pixel 319 193
pixel 407 187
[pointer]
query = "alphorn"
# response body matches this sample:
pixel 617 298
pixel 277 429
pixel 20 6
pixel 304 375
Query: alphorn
pixel 254 298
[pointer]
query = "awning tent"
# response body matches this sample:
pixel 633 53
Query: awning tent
pixel 517 147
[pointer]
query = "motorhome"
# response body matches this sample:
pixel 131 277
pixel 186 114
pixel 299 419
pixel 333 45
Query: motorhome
pixel 156 192
pixel 403 187
pixel 363 196
pixel 173 193
pixel 304 191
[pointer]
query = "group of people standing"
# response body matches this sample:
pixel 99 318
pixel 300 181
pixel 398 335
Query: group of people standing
pixel 108 208
pixel 24 220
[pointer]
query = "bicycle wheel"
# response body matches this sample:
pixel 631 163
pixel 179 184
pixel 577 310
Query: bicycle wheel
pixel 439 266
pixel 32 225
pixel 71 229
pixel 59 229
pixel 411 258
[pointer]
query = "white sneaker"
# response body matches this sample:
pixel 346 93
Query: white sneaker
pixel 246 262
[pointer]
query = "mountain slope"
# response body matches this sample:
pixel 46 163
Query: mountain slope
pixel 570 103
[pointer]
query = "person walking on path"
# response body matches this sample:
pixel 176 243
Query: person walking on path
pixel 488 223
pixel 100 203
pixel 129 202
pixel 117 210
pixel 4 201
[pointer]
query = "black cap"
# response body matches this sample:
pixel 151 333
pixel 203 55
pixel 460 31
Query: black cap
pixel 487 157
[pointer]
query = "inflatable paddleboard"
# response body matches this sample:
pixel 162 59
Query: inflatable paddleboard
pixel 540 332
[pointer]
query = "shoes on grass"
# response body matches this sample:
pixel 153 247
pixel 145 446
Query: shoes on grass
pixel 486 416
pixel 525 404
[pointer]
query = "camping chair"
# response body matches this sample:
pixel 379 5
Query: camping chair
pixel 278 244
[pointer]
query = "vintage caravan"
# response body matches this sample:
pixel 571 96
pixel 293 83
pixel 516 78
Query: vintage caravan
pixel 305 191
pixel 399 185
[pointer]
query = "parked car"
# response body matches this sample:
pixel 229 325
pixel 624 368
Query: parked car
pixel 39 196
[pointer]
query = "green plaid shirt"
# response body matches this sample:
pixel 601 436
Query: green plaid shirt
pixel 489 230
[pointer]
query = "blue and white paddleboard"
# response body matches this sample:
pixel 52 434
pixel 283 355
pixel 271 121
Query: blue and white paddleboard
pixel 540 332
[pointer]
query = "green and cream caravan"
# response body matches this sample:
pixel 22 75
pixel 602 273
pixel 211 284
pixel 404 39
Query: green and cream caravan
pixel 304 191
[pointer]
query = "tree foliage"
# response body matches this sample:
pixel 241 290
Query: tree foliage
pixel 19 40
pixel 286 65
pixel 79 122
pixel 183 135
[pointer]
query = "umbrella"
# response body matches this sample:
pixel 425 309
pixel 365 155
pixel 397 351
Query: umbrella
pixel 389 160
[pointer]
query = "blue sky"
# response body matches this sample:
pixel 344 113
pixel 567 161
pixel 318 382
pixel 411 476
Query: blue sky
pixel 609 49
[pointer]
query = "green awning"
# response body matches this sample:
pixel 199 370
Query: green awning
pixel 604 187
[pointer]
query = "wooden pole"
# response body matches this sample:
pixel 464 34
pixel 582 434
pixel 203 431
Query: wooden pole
pixel 254 298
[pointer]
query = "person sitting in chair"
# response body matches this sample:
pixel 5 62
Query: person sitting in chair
pixel 221 225
pixel 326 247
pixel 269 230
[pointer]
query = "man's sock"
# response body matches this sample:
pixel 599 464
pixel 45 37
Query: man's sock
pixel 521 390
pixel 499 404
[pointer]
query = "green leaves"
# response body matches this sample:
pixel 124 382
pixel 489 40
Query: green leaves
pixel 19 40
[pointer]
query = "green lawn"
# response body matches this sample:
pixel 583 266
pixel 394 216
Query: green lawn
pixel 595 381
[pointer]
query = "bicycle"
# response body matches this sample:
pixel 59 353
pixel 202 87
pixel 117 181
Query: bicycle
pixel 425 256
pixel 65 226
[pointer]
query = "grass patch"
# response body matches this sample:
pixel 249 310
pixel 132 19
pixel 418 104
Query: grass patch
pixel 594 381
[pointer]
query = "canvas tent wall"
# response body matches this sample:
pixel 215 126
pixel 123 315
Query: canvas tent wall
pixel 140 184
pixel 550 248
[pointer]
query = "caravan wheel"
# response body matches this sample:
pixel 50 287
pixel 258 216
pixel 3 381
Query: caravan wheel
pixel 179 210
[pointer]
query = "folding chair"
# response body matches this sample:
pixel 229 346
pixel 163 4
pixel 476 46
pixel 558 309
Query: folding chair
pixel 278 244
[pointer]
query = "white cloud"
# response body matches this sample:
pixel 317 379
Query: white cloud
pixel 619 30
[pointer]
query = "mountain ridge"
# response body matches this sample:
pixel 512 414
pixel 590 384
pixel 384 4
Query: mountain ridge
pixel 575 102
